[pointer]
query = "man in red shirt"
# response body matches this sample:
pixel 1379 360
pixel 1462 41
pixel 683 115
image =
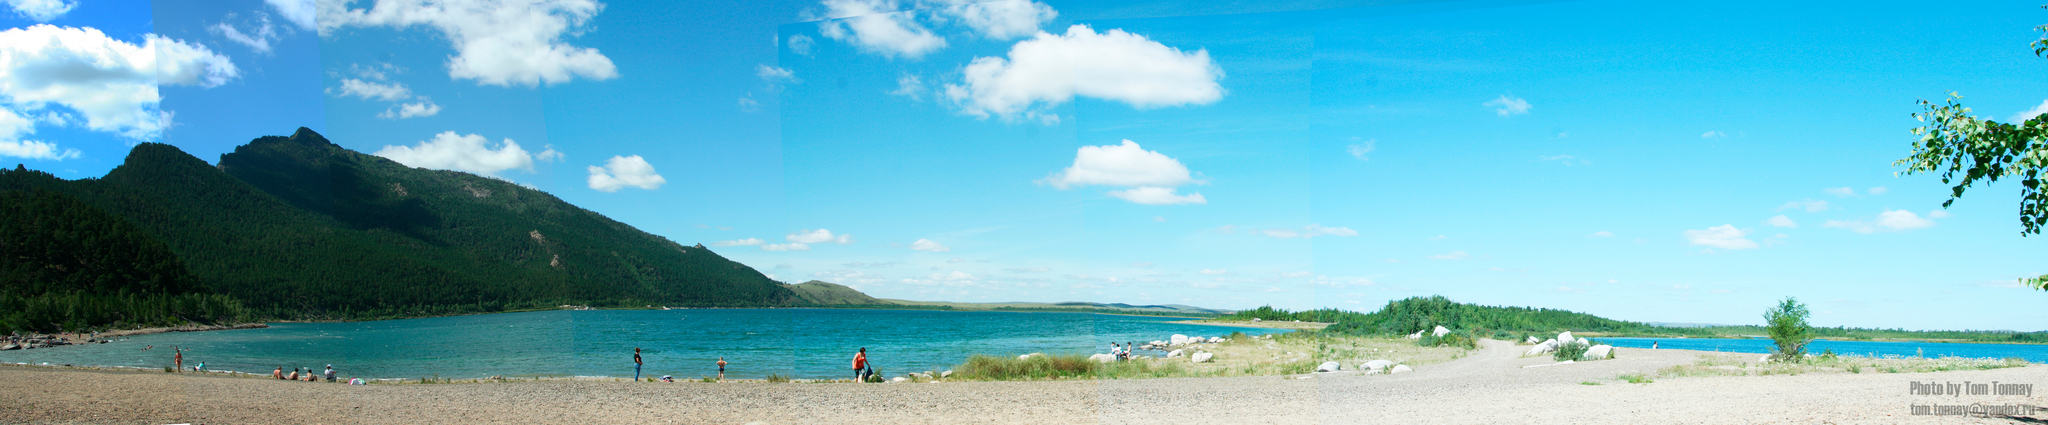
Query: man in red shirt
pixel 860 363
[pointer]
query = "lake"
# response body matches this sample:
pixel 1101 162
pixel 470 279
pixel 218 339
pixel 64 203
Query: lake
pixel 2031 352
pixel 799 343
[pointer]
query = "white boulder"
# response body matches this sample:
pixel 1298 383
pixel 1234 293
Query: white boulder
pixel 1564 338
pixel 1532 339
pixel 946 374
pixel 1179 339
pixel 1102 358
pixel 1598 352
pixel 1216 340
pixel 1380 365
pixel 1400 368
pixel 1329 367
pixel 900 379
pixel 1440 331
pixel 1175 353
pixel 1416 335
pixel 1201 357
pixel 1256 320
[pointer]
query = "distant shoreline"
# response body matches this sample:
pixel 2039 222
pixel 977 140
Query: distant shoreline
pixel 1298 326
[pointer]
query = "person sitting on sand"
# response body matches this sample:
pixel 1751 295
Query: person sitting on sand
pixel 666 378
pixel 330 373
pixel 294 376
pixel 721 368
pixel 860 364
pixel 277 374
pixel 310 377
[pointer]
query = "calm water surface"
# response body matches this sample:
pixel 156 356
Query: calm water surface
pixel 801 343
pixel 2031 352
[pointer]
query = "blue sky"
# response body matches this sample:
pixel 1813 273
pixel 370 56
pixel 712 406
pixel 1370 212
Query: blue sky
pixel 1640 161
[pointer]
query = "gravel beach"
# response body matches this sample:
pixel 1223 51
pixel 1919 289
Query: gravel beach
pixel 1491 386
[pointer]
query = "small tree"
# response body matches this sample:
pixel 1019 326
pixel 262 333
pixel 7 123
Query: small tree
pixel 1787 323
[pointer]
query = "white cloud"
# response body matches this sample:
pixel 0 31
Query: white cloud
pixel 776 77
pixel 1889 221
pixel 876 26
pixel 785 247
pixel 622 171
pixel 471 153
pixel 2028 114
pixel 1506 106
pixel 299 12
pixel 1937 214
pixel 496 42
pixel 1840 191
pixel 423 108
pixel 1216 272
pixel 928 245
pixel 1781 221
pixel 1149 195
pixel 111 83
pixel 1725 236
pixel 741 242
pixel 41 10
pixel 800 44
pixel 30 149
pixel 819 236
pixel 1453 255
pixel 372 90
pixel 1048 70
pixel 548 153
pixel 1601 234
pixel 1810 205
pixel 257 39
pixel 1880 190
pixel 1001 20
pixel 909 85
pixel 1713 134
pixel 1358 150
pixel 749 104
pixel 1152 176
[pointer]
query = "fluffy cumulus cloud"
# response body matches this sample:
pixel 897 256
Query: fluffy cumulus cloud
pixel 1152 177
pixel 818 236
pixel 423 108
pixel 496 42
pixel 1888 221
pixel 1508 106
pixel 1725 236
pixel 466 153
pixel 623 171
pixel 1781 221
pixel 999 20
pixel 800 44
pixel 41 10
pixel 1051 69
pixel 374 90
pixel 374 84
pixel 2030 113
pixel 928 245
pixel 62 76
pixel 298 12
pixel 257 38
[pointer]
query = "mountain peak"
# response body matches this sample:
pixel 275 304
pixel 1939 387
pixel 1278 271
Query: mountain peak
pixel 307 136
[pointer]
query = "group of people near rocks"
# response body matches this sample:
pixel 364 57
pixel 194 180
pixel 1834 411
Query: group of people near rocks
pixel 1122 352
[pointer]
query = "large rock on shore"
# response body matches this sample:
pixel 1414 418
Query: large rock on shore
pixel 1564 338
pixel 1102 358
pixel 1216 340
pixel 1416 335
pixel 1440 331
pixel 1544 347
pixel 1201 357
pixel 1400 368
pixel 1380 365
pixel 1175 353
pixel 1598 352
pixel 1532 339
pixel 1179 339
pixel 1329 367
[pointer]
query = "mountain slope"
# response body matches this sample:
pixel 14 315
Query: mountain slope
pixel 297 225
pixel 818 292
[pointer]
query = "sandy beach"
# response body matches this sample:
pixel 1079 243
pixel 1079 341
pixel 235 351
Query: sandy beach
pixel 1492 385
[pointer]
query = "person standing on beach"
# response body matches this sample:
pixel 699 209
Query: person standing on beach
pixel 178 358
pixel 636 364
pixel 721 368
pixel 860 362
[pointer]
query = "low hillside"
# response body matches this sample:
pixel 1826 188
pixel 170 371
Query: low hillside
pixel 823 293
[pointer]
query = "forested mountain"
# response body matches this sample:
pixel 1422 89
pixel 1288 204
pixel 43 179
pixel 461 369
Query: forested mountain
pixel 300 227
pixel 65 264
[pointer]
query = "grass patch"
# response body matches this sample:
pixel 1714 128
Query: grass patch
pixel 778 379
pixel 1635 378
pixel 1284 354
pixel 1589 383
pixel 1725 365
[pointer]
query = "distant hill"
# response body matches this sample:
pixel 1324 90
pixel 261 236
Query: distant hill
pixel 67 265
pixel 826 293
pixel 300 227
pixel 1086 307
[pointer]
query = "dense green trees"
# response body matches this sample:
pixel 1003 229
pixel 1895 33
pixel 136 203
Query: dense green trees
pixel 66 265
pixel 1406 316
pixel 297 227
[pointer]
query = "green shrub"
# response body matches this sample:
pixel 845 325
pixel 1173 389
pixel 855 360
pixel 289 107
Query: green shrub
pixel 1788 328
pixel 1636 378
pixel 1460 339
pixel 774 378
pixel 1570 351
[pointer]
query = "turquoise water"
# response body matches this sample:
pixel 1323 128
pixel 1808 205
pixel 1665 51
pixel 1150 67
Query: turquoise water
pixel 2030 352
pixel 800 343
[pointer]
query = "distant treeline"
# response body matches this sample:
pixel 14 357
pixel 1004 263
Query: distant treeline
pixel 1406 316
pixel 1107 311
